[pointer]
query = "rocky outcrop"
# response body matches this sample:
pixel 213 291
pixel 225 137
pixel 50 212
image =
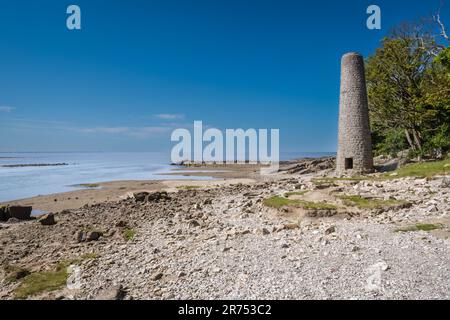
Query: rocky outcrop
pixel 305 166
pixel 15 212
pixel 157 196
pixel 4 215
pixel 140 196
pixel 20 212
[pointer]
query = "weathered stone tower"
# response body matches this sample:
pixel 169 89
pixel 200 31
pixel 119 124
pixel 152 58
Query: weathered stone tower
pixel 354 143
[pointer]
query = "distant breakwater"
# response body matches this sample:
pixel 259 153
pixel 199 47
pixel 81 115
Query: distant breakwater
pixel 33 165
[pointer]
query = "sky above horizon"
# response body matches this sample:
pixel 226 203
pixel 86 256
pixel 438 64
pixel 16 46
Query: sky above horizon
pixel 139 69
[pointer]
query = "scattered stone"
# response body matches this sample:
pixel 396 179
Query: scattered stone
pixel 112 293
pixel 330 230
pixel 216 270
pixel 194 223
pixel 157 276
pixel 47 219
pixel 93 235
pixel 80 236
pixel 374 281
pixel 290 226
pixel 445 182
pixel 158 196
pixel 121 224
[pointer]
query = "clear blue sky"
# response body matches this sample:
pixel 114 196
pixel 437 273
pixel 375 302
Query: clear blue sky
pixel 138 69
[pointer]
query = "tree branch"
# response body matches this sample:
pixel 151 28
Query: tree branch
pixel 442 27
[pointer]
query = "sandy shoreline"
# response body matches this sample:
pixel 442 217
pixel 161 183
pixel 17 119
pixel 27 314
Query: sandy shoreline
pixel 118 190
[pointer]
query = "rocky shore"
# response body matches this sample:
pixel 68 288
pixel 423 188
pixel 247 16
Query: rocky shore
pixel 300 234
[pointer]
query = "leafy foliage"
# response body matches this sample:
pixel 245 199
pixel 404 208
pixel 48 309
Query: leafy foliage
pixel 408 83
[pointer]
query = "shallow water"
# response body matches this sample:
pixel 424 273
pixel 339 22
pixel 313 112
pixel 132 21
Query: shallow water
pixel 85 167
pixel 24 182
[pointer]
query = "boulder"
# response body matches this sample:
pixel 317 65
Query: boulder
pixel 112 293
pixel 140 196
pixel 4 213
pixel 81 236
pixel 158 196
pixel 20 212
pixel 93 236
pixel 47 219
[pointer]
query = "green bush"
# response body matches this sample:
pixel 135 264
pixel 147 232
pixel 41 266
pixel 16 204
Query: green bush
pixel 391 142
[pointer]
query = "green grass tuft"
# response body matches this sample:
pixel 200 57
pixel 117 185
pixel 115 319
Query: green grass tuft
pixel 278 202
pixel 90 256
pixel 15 273
pixel 333 180
pixel 422 170
pixel 420 227
pixel 364 203
pixel 43 281
pixel 129 234
pixel 295 193
pixel 46 281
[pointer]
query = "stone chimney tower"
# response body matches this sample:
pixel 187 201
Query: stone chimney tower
pixel 354 143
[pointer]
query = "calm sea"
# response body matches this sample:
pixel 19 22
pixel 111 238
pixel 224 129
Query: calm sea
pixel 24 182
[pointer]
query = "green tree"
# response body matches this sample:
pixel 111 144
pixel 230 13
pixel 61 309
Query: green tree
pixel 408 89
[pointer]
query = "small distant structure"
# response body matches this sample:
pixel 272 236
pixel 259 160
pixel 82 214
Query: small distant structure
pixel 354 154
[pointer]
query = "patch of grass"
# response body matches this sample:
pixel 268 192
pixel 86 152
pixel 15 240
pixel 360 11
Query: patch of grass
pixel 129 234
pixel 420 227
pixel 422 170
pixel 295 193
pixel 364 203
pixel 324 182
pixel 15 273
pixel 332 180
pixel 188 187
pixel 46 281
pixel 278 202
pixel 317 205
pixel 43 281
pixel 90 256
